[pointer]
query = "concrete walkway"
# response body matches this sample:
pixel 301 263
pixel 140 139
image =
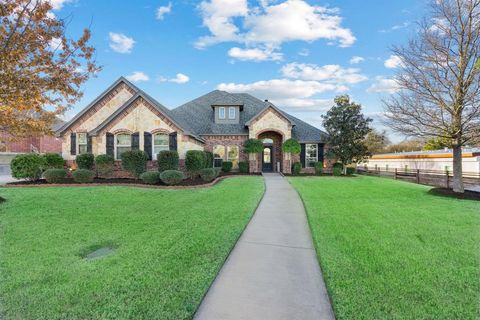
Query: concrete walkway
pixel 273 272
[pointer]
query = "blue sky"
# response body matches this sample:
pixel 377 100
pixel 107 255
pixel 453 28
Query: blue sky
pixel 298 54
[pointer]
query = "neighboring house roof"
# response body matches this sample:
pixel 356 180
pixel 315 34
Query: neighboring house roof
pixel 442 153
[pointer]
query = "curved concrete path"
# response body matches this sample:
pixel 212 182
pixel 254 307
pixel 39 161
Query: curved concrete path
pixel 273 272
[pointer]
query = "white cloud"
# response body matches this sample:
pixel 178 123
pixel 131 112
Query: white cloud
pixel 138 76
pixel 55 44
pixel 255 54
pixel 396 27
pixel 163 10
pixel 121 43
pixel 58 4
pixel 271 24
pixel 304 52
pixel 393 62
pixel 356 59
pixel 330 73
pixel 384 85
pixel 180 78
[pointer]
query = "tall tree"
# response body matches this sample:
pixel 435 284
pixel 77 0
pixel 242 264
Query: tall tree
pixel 439 79
pixel 346 127
pixel 376 141
pixel 415 144
pixel 41 69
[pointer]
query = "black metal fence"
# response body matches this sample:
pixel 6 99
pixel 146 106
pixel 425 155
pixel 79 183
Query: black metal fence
pixel 436 178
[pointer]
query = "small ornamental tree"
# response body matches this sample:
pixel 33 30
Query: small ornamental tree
pixel 253 146
pixel 347 128
pixel 291 146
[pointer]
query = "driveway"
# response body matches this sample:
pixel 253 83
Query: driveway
pixel 273 271
pixel 5 175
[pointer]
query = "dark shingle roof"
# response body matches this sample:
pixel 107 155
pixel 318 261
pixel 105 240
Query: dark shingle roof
pixel 199 116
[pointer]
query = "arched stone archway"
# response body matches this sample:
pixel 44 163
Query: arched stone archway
pixel 271 158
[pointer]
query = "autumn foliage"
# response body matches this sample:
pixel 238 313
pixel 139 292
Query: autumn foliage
pixel 41 69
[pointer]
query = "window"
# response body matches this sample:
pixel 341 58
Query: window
pixel 218 155
pixel 123 142
pixel 267 156
pixel 267 141
pixel 82 143
pixel 221 113
pixel 311 155
pixel 160 143
pixel 233 155
pixel 231 113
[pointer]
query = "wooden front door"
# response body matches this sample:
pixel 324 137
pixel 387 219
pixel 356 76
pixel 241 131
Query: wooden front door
pixel 267 159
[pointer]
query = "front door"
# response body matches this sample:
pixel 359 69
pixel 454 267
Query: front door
pixel 267 162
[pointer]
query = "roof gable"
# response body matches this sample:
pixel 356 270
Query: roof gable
pixel 265 110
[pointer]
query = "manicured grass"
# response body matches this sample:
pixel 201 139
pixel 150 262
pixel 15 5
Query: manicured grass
pixel 390 250
pixel 170 244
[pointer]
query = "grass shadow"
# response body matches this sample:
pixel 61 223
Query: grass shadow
pixel 448 193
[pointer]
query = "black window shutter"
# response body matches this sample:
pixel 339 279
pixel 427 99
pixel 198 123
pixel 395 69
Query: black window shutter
pixel 147 144
pixel 110 143
pixel 321 151
pixel 89 144
pixel 172 141
pixel 135 141
pixel 302 154
pixel 73 144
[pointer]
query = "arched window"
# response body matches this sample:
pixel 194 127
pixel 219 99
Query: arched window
pixel 267 141
pixel 123 142
pixel 233 155
pixel 160 143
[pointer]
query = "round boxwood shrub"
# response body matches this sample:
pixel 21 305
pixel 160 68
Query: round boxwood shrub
pixel 252 146
pixel 85 161
pixel 172 177
pixel 318 167
pixel 27 166
pixel 227 166
pixel 208 159
pixel 150 177
pixel 195 161
pixel 208 174
pixel 350 171
pixel 55 175
pixel 167 160
pixel 135 162
pixel 296 168
pixel 83 175
pixel 53 161
pixel 104 164
pixel 291 146
pixel 337 169
pixel 243 166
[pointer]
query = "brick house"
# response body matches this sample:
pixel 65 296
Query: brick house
pixel 33 143
pixel 124 117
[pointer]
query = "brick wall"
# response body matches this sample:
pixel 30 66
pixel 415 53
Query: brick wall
pixel 42 144
pixel 227 140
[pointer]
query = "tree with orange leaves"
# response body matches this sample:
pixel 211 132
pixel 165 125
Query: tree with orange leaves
pixel 41 69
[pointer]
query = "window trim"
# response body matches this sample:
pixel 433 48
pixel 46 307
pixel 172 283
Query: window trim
pixel 115 144
pixel 154 154
pixel 316 154
pixel 230 109
pixel 83 144
pixel 220 110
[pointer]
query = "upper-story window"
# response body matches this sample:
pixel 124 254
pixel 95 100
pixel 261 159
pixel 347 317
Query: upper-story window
pixel 231 112
pixel 221 113
pixel 82 142
pixel 123 142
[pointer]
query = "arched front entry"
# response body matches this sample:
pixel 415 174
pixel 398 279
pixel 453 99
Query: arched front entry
pixel 271 158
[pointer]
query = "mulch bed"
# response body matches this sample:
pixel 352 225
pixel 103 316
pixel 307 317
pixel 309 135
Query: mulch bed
pixel 444 192
pixel 126 181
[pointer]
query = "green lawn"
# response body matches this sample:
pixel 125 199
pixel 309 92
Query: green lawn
pixel 390 250
pixel 170 244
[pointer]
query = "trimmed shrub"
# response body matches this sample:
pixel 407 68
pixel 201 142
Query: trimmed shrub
pixel 172 177
pixel 291 146
pixel 53 161
pixel 85 161
pixel 208 159
pixel 27 166
pixel 337 169
pixel 195 161
pixel 227 166
pixel 253 146
pixel 318 167
pixel 297 168
pixel 208 174
pixel 243 166
pixel 167 160
pixel 350 171
pixel 135 162
pixel 217 171
pixel 104 164
pixel 150 177
pixel 83 175
pixel 55 175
